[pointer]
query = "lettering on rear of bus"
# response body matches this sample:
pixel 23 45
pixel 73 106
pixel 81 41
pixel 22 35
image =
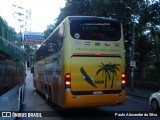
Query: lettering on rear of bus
pixel 97 92
pixel 99 82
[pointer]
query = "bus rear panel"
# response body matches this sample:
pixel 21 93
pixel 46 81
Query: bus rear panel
pixel 95 62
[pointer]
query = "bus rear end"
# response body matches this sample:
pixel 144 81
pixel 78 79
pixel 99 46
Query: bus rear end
pixel 96 75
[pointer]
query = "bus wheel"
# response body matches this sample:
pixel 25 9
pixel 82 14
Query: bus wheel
pixel 47 97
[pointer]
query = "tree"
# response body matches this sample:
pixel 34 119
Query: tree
pixel 143 51
pixel 142 15
pixel 49 30
pixel 150 21
pixel 8 33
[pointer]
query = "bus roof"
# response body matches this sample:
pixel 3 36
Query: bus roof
pixel 89 18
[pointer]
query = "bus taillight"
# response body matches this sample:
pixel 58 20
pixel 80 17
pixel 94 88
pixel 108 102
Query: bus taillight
pixel 68 81
pixel 123 76
pixel 123 80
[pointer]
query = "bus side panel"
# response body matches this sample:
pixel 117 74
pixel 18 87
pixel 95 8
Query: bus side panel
pixel 39 76
pixel 12 84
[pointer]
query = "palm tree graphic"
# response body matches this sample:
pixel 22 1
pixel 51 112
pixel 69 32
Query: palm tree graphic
pixel 107 70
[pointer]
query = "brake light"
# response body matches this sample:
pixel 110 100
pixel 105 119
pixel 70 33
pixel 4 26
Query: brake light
pixel 123 80
pixel 123 75
pixel 97 54
pixel 68 81
pixel 67 76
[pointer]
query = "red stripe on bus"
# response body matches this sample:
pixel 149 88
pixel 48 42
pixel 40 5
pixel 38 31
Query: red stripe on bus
pixel 96 54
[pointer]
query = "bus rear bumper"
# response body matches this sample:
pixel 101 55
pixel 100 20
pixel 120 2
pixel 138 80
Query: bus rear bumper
pixel 82 101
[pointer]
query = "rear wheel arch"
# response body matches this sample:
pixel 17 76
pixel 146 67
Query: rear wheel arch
pixel 21 96
pixel 46 86
pixel 47 94
pixel 34 83
pixel 50 91
pixel 22 93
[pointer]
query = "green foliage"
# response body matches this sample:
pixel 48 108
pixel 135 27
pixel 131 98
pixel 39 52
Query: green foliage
pixel 9 32
pixel 144 13
pixel 157 65
pixel 7 37
pixel 143 49
pixel 49 30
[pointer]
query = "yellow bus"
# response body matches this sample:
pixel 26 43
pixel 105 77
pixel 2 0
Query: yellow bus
pixel 82 63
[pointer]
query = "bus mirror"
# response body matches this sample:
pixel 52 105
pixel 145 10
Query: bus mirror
pixel 32 69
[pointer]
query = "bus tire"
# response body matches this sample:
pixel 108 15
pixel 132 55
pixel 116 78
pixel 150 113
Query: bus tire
pixel 19 99
pixel 47 97
pixel 23 94
pixel 51 101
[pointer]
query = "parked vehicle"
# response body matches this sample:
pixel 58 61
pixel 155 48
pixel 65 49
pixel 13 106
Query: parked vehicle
pixel 154 101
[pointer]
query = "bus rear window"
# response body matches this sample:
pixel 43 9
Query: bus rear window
pixel 106 30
